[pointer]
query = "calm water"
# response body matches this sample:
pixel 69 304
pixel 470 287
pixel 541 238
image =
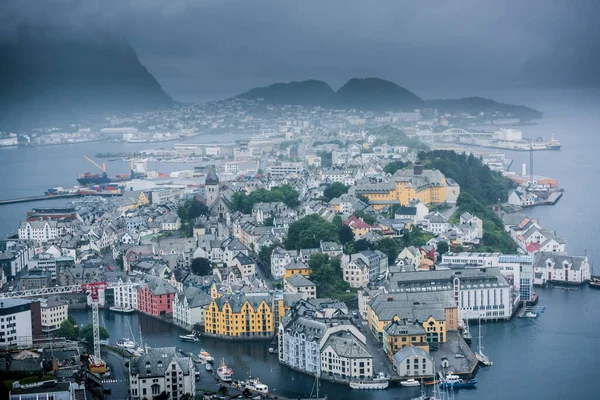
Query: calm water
pixel 553 357
pixel 29 171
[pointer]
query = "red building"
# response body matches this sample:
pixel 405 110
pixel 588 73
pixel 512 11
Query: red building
pixel 156 297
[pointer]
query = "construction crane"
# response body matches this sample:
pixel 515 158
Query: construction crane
pixel 96 363
pixel 101 167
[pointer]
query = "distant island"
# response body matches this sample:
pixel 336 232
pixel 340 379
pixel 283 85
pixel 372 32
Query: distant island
pixel 47 77
pixel 375 94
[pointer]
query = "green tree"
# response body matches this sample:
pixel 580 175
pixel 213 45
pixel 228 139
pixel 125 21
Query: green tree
pixel 240 201
pixel 191 209
pixel 442 248
pixel 363 198
pixel 326 158
pixel 394 166
pixel 337 221
pixel 265 254
pixel 473 176
pixel 327 274
pixel 268 221
pixel 309 231
pixel 346 234
pixel 201 266
pixel 119 261
pixel 87 333
pixel 368 218
pixel 336 189
pixel 361 245
pixel 66 330
pixel 390 247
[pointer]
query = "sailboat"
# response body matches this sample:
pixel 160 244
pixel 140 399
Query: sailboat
pixel 316 384
pixel 482 358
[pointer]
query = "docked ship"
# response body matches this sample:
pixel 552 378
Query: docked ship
pixel 88 179
pixel 594 282
pixel 224 373
pixel 454 381
pixel 378 383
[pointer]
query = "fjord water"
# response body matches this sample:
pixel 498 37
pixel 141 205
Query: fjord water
pixel 552 357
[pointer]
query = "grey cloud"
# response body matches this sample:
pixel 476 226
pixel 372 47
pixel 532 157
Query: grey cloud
pixel 210 49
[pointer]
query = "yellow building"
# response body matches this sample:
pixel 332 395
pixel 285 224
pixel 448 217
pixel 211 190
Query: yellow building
pixel 436 312
pixel 429 186
pixel 296 267
pixel 250 315
pixel 132 199
pixel 399 334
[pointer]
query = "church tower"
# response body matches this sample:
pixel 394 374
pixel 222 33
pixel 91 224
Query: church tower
pixel 211 185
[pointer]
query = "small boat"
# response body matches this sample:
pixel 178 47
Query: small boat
pixel 256 385
pixel 204 356
pixel 208 367
pixel 530 314
pixel 410 383
pixel 377 383
pixel 224 373
pixel 189 338
pixel 122 309
pixel 126 343
pixel 272 350
pixel 454 381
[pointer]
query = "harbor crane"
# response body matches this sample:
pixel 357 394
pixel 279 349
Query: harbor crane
pixel 101 167
pixel 96 365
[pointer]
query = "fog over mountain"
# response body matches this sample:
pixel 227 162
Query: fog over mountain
pixel 200 49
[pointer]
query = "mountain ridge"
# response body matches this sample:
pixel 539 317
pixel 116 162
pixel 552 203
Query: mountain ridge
pixel 376 94
pixel 49 79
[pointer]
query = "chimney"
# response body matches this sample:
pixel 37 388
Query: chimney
pixel 417 168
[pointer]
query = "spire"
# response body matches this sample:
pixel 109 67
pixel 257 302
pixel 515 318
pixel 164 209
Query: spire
pixel 211 177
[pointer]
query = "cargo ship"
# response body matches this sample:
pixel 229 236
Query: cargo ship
pixel 87 178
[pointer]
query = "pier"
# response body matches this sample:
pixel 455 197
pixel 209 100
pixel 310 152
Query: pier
pixel 56 196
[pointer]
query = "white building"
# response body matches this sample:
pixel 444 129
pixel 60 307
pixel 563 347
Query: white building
pixel 345 356
pixel 15 322
pixel 413 361
pixel 302 285
pixel 279 259
pixel 164 195
pixel 53 314
pixel 40 231
pixel 14 256
pixel 189 306
pixel 161 370
pixel 285 169
pixel 356 273
pixel 516 268
pixel 562 268
pixel 125 296
pixel 325 346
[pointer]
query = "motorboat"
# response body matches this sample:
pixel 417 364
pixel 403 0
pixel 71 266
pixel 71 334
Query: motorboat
pixel 126 343
pixel 410 383
pixel 530 314
pixel 208 367
pixel 204 356
pixel 378 383
pixel 256 385
pixel 224 373
pixel 369 385
pixel 454 381
pixel 189 338
pixel 122 309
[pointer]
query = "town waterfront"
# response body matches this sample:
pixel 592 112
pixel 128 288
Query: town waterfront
pixel 531 356
pixel 551 357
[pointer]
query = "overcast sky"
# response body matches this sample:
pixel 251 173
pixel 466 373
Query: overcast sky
pixel 203 49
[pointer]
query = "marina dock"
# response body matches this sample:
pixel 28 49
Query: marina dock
pixel 56 196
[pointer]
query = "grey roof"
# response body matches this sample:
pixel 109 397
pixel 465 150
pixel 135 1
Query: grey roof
pixel 312 329
pixel 406 211
pixel 243 259
pixel 347 345
pixel 513 219
pixel 237 300
pixel 298 280
pixel 159 286
pixel 296 265
pixel 156 361
pixel 402 327
pixel 409 351
pixel 195 297
pixel 211 177
pixel 559 260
